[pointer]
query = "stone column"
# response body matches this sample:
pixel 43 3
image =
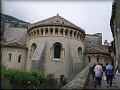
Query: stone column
pixel 58 32
pixel 43 31
pixel 68 33
pixel 39 32
pixel 72 33
pixel 48 31
pixel 63 32
pixel 53 31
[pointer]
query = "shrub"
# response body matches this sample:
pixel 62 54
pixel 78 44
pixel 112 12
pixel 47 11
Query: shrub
pixel 5 84
pixel 28 79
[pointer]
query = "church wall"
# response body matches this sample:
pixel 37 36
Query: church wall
pixel 75 58
pixel 57 66
pixel 12 33
pixel 15 52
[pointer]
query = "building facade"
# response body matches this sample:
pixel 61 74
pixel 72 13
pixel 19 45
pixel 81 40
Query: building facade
pixel 53 45
pixel 115 29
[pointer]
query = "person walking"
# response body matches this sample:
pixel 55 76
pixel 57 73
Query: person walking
pixel 93 73
pixel 109 72
pixel 98 74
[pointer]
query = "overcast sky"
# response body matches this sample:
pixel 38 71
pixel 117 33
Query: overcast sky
pixel 92 16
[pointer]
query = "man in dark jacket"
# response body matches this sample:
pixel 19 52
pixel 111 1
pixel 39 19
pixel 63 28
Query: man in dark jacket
pixel 93 73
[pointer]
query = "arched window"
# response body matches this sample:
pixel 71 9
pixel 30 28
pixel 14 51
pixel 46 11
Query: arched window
pixel 80 54
pixel 57 50
pixel 37 31
pixel 66 32
pixel 61 31
pixel 78 36
pixel 56 31
pixel 89 59
pixel 41 31
pixel 9 56
pixel 51 31
pixel 33 47
pixel 97 58
pixel 75 34
pixel 46 30
pixel 71 32
pixel 19 58
pixel 79 50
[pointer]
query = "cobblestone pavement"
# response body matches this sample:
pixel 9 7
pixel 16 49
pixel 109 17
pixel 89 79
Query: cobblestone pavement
pixel 115 85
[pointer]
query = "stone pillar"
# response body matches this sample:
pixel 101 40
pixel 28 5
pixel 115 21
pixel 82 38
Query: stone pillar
pixel 48 31
pixel 68 33
pixel 39 32
pixel 44 31
pixel 72 34
pixel 53 31
pixel 63 32
pixel 58 32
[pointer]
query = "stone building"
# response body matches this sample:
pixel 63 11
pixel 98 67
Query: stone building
pixel 94 50
pixel 115 29
pixel 53 45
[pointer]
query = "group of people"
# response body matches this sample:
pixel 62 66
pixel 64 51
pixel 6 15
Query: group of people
pixel 99 69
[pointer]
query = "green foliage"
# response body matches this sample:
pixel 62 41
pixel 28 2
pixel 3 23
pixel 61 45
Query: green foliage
pixel 5 84
pixel 28 79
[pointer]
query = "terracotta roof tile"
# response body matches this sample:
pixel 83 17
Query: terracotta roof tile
pixel 15 43
pixel 95 50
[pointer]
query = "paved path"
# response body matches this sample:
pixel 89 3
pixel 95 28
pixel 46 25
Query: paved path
pixel 115 85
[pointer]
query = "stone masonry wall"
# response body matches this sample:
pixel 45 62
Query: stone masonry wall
pixel 81 81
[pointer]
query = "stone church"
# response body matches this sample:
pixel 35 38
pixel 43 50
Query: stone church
pixel 53 45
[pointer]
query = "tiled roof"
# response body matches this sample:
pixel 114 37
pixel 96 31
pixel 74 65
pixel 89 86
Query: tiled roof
pixel 95 50
pixel 55 20
pixel 14 43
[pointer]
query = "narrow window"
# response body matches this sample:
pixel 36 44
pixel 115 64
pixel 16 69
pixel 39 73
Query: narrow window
pixel 9 56
pixel 41 31
pixel 34 33
pixel 51 30
pixel 89 59
pixel 19 59
pixel 97 58
pixel 37 31
pixel 56 31
pixel 61 32
pixel 32 50
pixel 71 33
pixel 66 33
pixel 46 32
pixel 75 34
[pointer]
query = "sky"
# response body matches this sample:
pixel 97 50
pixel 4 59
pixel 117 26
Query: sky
pixel 93 16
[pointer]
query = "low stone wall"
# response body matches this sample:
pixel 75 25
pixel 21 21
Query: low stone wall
pixel 81 81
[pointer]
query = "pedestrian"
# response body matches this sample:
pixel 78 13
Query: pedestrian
pixel 109 72
pixel 93 73
pixel 98 74
pixel 102 69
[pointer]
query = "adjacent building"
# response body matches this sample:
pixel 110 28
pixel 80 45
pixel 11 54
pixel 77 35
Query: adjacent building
pixel 115 28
